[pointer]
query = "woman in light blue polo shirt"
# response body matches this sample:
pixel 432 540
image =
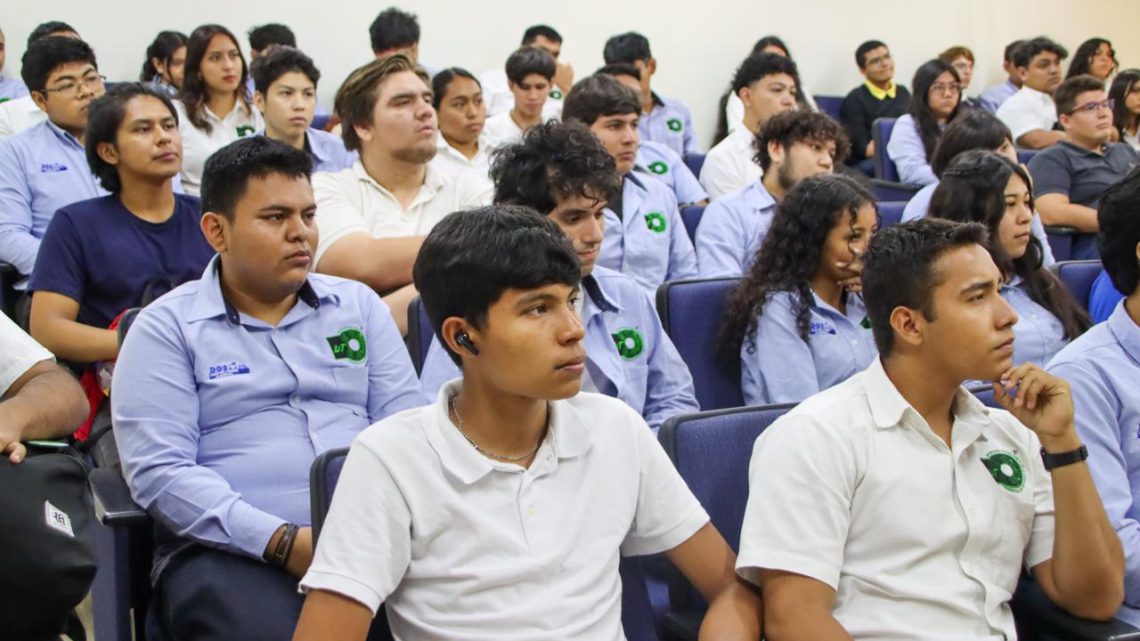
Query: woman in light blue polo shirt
pixel 936 101
pixel 985 187
pixel 796 323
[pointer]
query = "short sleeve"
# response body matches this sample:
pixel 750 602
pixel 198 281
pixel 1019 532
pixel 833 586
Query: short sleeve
pixel 1050 174
pixel 60 265
pixel 1040 546
pixel 337 215
pixel 19 353
pixel 1018 116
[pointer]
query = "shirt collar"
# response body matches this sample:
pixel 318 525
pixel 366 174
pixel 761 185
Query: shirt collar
pixel 882 94
pixel 657 101
pixel 765 198
pixel 210 302
pixel 889 408
pixel 433 181
pixel 62 135
pixel 1125 330
pixel 598 294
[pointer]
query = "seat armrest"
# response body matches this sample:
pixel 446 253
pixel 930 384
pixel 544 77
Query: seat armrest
pixel 113 503
pixel 1032 607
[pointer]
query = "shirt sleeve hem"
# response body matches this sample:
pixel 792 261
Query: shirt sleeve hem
pixel 671 538
pixel 749 565
pixel 342 585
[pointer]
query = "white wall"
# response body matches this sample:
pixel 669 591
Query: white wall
pixel 697 51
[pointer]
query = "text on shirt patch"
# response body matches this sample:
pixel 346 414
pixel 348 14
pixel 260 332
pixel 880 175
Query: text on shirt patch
pixel 821 327
pixel 233 368
pixel 629 343
pixel 655 221
pixel 350 344
pixel 1006 469
pixel 674 124
pixel 52 167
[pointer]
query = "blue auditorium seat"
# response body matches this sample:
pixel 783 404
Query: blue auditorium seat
pixel 420 333
pixel 691 216
pixel 691 312
pixel 694 161
pixel 881 132
pixel 1025 155
pixel 1078 277
pixel 829 105
pixel 890 213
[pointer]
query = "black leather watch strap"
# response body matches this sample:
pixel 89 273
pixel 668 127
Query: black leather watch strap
pixel 1061 459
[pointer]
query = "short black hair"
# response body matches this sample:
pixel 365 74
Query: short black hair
pixel 553 162
pixel 795 126
pixel 1065 96
pixel 104 117
pixel 280 60
pixel 862 50
pixel 627 47
pixel 229 170
pixel 898 269
pixel 273 33
pixel 471 257
pixel 45 29
pixel 972 129
pixel 760 65
pixel 394 29
pixel 530 60
pixel 596 96
pixel 1120 232
pixel 540 30
pixel 1010 48
pixel 620 69
pixel 441 81
pixel 48 54
pixel 1029 49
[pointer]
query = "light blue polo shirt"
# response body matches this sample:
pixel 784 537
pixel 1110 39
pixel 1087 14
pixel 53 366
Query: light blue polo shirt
pixel 671 124
pixel 649 242
pixel 732 229
pixel 41 169
pixel 628 354
pixel 218 415
pixel 326 151
pixel 1102 367
pixel 11 88
pixel 1038 335
pixel 780 367
pixel 661 162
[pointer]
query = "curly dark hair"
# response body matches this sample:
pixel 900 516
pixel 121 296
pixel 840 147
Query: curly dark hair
pixel 972 190
pixel 795 126
pixel 924 119
pixel 554 161
pixel 1082 57
pixel 790 256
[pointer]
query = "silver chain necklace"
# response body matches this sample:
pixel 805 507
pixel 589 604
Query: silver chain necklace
pixel 488 454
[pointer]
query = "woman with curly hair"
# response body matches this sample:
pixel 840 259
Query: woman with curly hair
pixel 796 323
pixel 1094 57
pixel 984 187
pixel 936 101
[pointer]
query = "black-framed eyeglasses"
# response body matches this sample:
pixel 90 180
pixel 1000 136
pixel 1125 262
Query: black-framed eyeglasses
pixel 70 89
pixel 945 87
pixel 1091 107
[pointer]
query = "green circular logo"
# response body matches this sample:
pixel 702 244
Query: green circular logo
pixel 658 167
pixel 1006 469
pixel 629 343
pixel 556 94
pixel 245 130
pixel 350 344
pixel 674 124
pixel 655 221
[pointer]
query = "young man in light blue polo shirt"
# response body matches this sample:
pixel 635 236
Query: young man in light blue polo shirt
pixel 227 388
pixel 664 120
pixel 645 237
pixel 563 172
pixel 1103 370
pixel 45 167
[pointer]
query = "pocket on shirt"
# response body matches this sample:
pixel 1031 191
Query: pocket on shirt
pixel 351 384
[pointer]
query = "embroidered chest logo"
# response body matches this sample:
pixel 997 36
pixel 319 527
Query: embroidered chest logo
pixel 1006 469
pixel 866 323
pixel 674 124
pixel 629 343
pixel 659 168
pixel 350 344
pixel 556 94
pixel 52 167
pixel 655 221
pixel 821 327
pixel 245 130
pixel 233 368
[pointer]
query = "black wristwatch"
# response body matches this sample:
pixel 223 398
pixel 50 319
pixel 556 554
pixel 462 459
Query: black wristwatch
pixel 1061 459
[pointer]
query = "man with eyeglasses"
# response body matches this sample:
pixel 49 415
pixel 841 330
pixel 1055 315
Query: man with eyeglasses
pixel 1070 177
pixel 21 112
pixel 1031 113
pixel 878 97
pixel 45 167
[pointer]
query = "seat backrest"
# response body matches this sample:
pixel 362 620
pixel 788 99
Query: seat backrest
pixel 1025 155
pixel 691 312
pixel 691 216
pixel 890 213
pixel 1078 277
pixel 695 161
pixel 881 133
pixel 829 105
pixel 985 394
pixel 420 333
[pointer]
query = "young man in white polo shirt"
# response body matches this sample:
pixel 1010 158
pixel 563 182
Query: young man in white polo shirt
pixel 895 505
pixel 530 72
pixel 1030 113
pixel 500 512
pixel 373 215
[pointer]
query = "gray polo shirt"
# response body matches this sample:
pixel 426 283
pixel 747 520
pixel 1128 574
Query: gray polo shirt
pixel 1078 173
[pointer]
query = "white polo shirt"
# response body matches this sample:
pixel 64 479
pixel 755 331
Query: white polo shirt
pixel 1027 110
pixel 500 130
pixel 351 201
pixel 19 114
pixel 20 352
pixel 729 166
pixel 461 547
pixel 197 145
pixel 919 540
pixel 449 160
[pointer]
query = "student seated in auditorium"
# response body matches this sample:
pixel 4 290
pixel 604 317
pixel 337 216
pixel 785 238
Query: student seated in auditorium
pixel 730 116
pixel 994 96
pixel 791 146
pixel 795 324
pixel 395 32
pixel 513 436
pixel 462 112
pixel 658 158
pixel 563 172
pixel 213 107
pixel 983 187
pixel 766 84
pixel 10 88
pixel 962 59
pixel 936 101
pixel 1069 177
pixel 645 237
pixel 1102 367
pixel 165 63
pixel 901 467
pixel 664 120
pixel 497 93
pixel 285 92
pixel 103 256
pixel 1031 113
pixel 228 387
pixel 44 168
pixel 373 215
pixel 261 39
pixel 23 112
pixel 878 97
pixel 530 71
pixel 1095 57
pixel 1125 93
pixel 973 129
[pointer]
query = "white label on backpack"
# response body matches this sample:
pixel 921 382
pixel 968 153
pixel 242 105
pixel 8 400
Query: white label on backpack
pixel 58 519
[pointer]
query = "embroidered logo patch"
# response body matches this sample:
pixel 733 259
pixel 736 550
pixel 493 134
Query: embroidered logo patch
pixel 350 344
pixel 820 327
pixel 245 130
pixel 866 323
pixel 57 519
pixel 1006 469
pixel 674 124
pixel 658 167
pixel 629 343
pixel 655 221
pixel 52 167
pixel 233 368
pixel 556 94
